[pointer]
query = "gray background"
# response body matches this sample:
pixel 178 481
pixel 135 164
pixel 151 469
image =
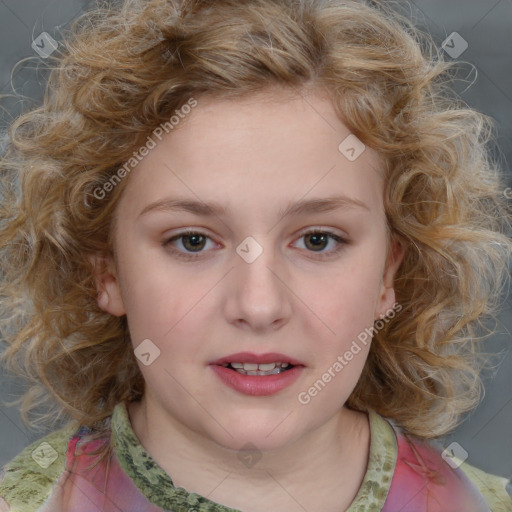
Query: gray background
pixel 486 26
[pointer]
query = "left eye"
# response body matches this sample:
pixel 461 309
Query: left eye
pixel 317 239
pixel 192 241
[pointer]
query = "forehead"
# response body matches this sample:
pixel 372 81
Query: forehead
pixel 268 148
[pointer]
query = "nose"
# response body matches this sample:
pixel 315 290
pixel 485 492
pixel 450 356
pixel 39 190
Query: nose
pixel 259 297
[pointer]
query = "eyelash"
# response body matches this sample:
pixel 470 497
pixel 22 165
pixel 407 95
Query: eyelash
pixel 192 256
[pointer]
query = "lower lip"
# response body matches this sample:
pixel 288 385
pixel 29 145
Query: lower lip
pixel 257 385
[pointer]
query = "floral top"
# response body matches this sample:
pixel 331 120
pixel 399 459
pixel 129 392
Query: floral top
pixel 53 475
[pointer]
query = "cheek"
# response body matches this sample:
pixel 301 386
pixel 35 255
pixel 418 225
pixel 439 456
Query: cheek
pixel 342 343
pixel 346 300
pixel 346 306
pixel 155 297
pixel 167 305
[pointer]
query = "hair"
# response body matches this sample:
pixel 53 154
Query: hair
pixel 123 70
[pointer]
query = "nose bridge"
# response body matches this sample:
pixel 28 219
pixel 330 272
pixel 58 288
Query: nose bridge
pixel 257 268
pixel 259 297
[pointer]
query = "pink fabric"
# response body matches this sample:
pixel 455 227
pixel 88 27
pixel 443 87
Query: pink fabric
pixel 424 482
pixel 104 488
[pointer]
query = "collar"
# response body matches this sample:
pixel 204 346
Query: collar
pixel 158 487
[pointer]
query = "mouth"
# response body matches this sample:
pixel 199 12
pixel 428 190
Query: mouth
pixel 257 374
pixel 248 363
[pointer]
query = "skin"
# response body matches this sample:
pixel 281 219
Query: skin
pixel 254 156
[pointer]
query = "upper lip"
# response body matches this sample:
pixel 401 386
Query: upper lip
pixel 249 357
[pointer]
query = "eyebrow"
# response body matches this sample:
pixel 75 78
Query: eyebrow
pixel 215 209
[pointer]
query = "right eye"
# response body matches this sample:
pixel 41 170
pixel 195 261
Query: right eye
pixel 193 243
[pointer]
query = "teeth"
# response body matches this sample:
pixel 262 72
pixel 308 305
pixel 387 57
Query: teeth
pixel 265 367
pixel 272 372
pixel 259 369
pixel 262 367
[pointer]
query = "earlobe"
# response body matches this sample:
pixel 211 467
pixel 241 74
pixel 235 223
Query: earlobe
pixel 108 296
pixel 394 260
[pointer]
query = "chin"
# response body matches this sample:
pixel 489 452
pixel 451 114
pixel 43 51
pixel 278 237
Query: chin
pixel 255 435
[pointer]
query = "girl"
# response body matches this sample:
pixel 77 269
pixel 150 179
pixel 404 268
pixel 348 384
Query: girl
pixel 247 248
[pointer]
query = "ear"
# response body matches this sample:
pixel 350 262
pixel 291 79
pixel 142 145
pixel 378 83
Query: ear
pixel 108 296
pixel 387 295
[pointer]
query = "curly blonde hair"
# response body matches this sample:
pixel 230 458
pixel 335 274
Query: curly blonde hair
pixel 125 70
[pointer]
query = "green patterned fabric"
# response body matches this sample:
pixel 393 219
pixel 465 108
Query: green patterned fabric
pixel 381 466
pixel 156 484
pixel 493 487
pixel 150 478
pixel 26 485
pixel 147 475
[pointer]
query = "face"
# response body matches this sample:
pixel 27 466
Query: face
pixel 290 264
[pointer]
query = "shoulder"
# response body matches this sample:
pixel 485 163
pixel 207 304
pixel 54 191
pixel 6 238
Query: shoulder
pixel 428 478
pixel 27 480
pixel 497 490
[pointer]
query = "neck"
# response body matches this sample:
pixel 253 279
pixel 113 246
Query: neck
pixel 327 464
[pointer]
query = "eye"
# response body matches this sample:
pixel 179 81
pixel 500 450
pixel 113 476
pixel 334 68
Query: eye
pixel 316 240
pixel 193 243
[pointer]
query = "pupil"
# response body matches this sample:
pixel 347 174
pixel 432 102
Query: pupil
pixel 196 244
pixel 318 237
